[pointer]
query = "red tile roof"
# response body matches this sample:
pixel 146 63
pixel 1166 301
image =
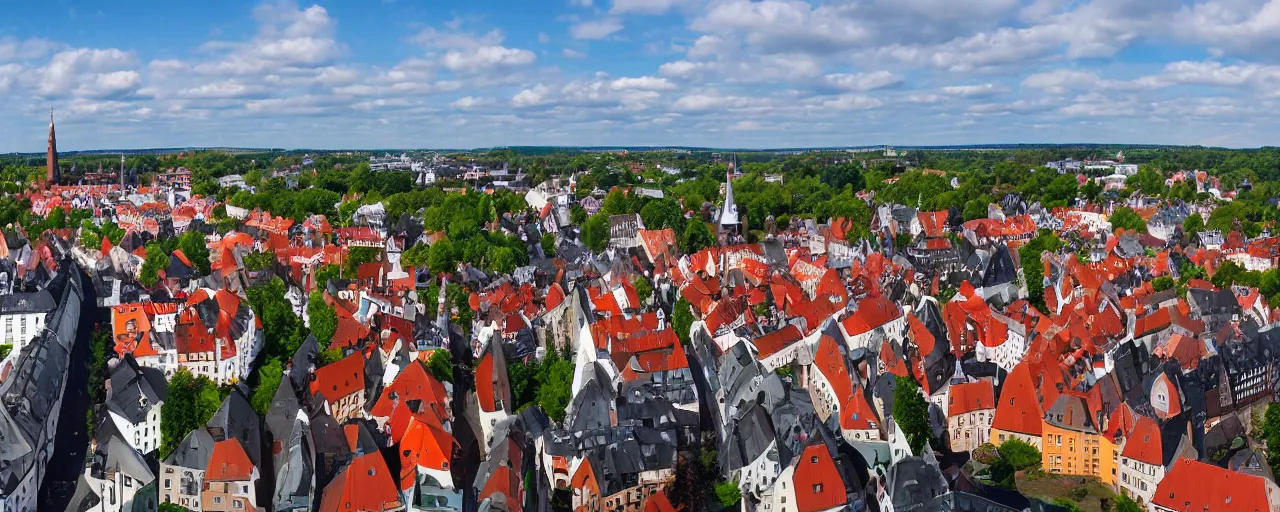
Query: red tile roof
pixel 830 362
pixel 365 485
pixel 818 485
pixel 872 312
pixel 775 341
pixel 970 397
pixel 1144 442
pixel 1019 410
pixel 229 462
pixel 486 388
pixel 340 379
pixel 1195 486
pixel 413 383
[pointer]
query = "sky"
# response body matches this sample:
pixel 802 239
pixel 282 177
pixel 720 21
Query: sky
pixel 712 73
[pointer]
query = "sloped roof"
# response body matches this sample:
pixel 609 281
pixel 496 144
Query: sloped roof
pixel 818 482
pixel 1194 485
pixel 872 312
pixel 970 397
pixel 365 485
pixel 229 462
pixel 1018 409
pixel 1144 443
pixel 340 379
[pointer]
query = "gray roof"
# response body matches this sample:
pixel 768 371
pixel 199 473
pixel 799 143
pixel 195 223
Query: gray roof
pixel 193 452
pixel 236 418
pixel 25 303
pixel 135 389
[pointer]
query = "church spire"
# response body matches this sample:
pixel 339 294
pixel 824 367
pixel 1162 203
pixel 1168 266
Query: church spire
pixel 52 159
pixel 729 212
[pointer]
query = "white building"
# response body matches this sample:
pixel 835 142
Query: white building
pixel 22 317
pixel 133 404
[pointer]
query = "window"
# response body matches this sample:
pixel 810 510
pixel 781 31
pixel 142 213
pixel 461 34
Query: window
pixel 217 500
pixel 813 459
pixel 166 483
pixel 817 488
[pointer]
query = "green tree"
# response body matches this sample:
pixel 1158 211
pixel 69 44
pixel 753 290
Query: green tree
pixel 324 320
pixel 1033 268
pixel 1147 180
pixel 911 412
pixel 1192 225
pixel 1060 191
pixel 502 260
pixel 417 256
pixel 1125 217
pixel 191 402
pixel 268 382
pixel 442 258
pixel 1015 455
pixel 728 493
pixel 555 382
pixel 696 237
pixel 326 273
pixel 259 261
pixel 193 245
pixel 682 319
pixel 644 288
pixel 595 232
pixel 155 263
pixel 170 507
pixel 1126 504
pixel 440 364
pixel 1068 504
pixel 1271 436
pixel 1162 283
pixel 357 256
pixel 548 242
pixel 662 214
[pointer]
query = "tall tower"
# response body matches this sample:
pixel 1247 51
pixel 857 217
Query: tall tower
pixel 52 160
pixel 121 171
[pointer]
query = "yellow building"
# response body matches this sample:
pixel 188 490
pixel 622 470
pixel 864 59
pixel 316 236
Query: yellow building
pixel 1073 444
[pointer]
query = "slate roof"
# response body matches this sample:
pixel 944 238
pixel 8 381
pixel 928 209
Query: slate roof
pixel 135 389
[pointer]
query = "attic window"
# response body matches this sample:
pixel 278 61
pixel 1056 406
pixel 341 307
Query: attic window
pixel 817 488
pixel 813 459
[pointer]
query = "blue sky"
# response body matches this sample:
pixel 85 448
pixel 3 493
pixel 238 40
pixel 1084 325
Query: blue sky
pixel 727 73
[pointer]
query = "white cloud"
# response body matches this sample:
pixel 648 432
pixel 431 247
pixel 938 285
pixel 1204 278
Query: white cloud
pixel 851 102
pixel 530 97
pixel 69 67
pixel 680 68
pixel 746 126
pixel 467 102
pixel 227 89
pixel 573 54
pixel 643 83
pixel 698 102
pixel 863 81
pixel 543 38
pixel 971 91
pixel 113 85
pixel 12 48
pixel 645 6
pixel 595 29
pixel 487 57
pixel 432 37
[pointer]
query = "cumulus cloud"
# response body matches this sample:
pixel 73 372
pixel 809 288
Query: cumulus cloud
pixel 595 29
pixel 643 83
pixel 863 81
pixel 487 57
pixel 646 6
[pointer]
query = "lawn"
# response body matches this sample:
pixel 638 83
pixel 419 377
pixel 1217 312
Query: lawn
pixel 1087 491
